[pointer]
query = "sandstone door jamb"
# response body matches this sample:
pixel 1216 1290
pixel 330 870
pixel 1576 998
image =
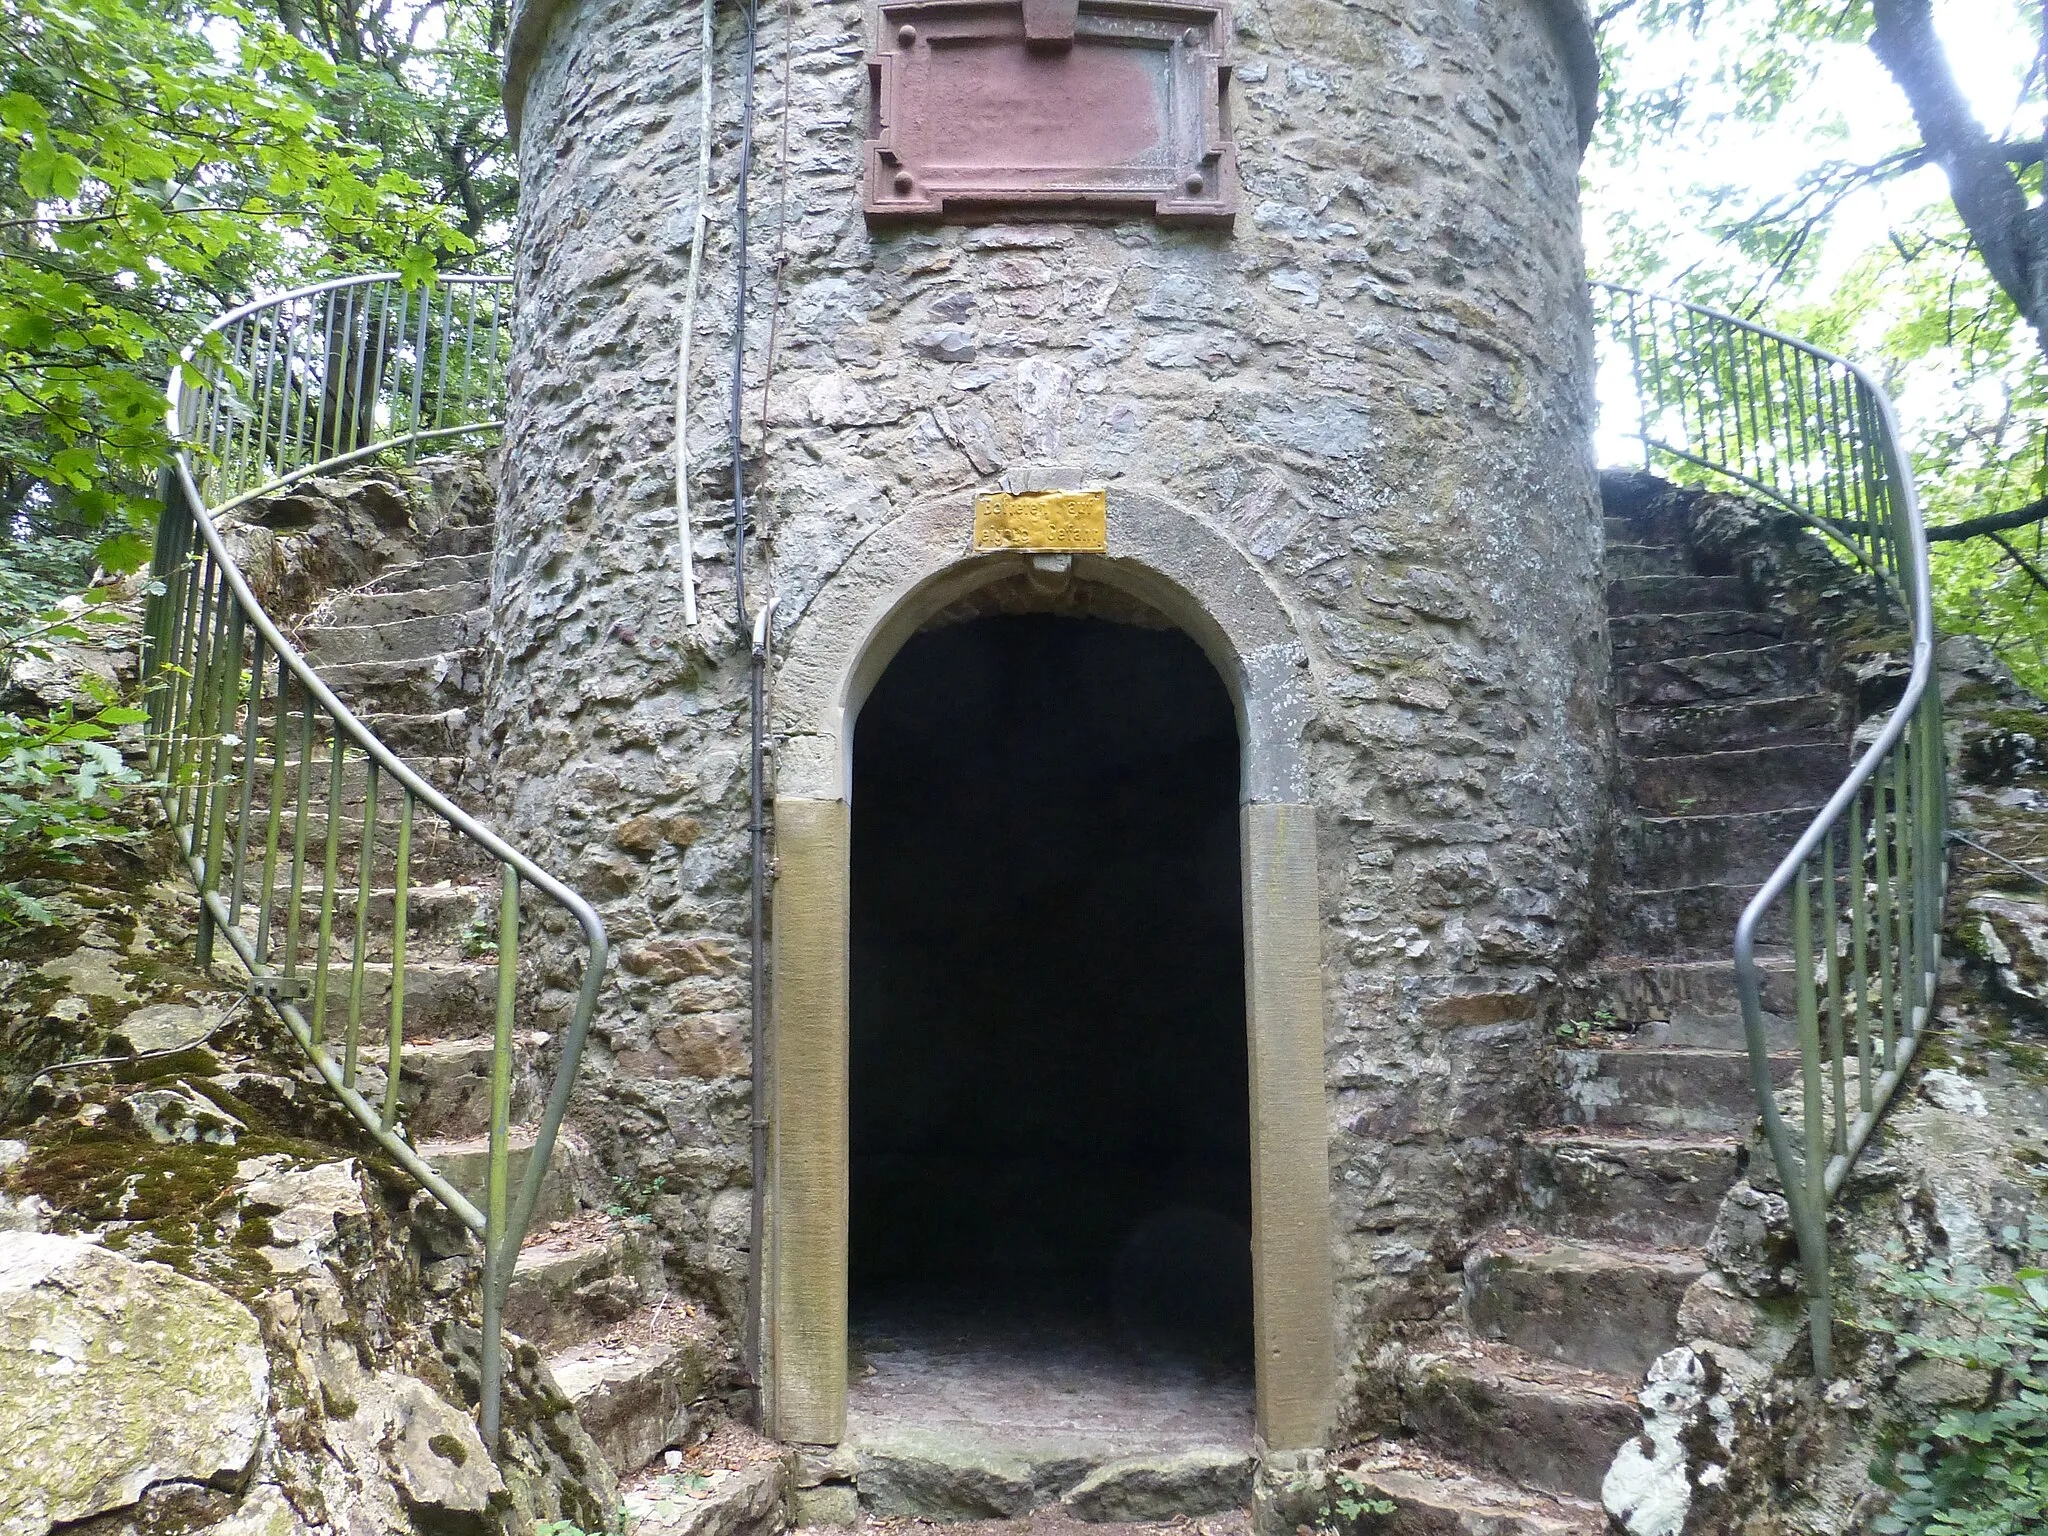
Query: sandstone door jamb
pixel 833 653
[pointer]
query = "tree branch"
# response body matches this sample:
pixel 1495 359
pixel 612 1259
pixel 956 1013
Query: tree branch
pixel 1986 191
pixel 2032 570
pixel 1990 524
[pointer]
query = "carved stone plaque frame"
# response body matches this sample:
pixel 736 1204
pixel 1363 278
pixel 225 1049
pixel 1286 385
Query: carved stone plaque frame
pixel 983 107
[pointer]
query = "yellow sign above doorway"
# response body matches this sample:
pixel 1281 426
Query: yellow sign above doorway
pixel 1042 522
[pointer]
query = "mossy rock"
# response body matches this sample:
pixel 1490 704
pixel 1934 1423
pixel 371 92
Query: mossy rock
pixel 121 1377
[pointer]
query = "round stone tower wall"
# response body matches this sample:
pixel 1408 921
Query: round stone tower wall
pixel 1375 388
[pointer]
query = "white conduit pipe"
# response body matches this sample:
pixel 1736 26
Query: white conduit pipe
pixel 701 223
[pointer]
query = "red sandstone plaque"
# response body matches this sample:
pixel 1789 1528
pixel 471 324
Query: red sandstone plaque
pixel 984 107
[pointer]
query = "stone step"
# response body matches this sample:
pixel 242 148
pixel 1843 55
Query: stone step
pixel 419 685
pixel 445 1085
pixel 460 539
pixel 444 999
pixel 1718 848
pixel 435 571
pixel 1664 1088
pixel 956 1471
pixel 1624 558
pixel 1675 594
pixel 1641 504
pixel 465 1162
pixel 573 1283
pixel 1534 1422
pixel 1598 1306
pixel 443 733
pixel 1769 671
pixel 1717 1032
pixel 444 772
pixel 1660 731
pixel 442 921
pixel 1755 779
pixel 330 645
pixel 1688 920
pixel 1435 1497
pixel 1639 637
pixel 1634 988
pixel 437 852
pixel 634 1388
pixel 1663 1191
pixel 363 606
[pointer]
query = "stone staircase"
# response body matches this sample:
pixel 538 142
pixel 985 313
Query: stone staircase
pixel 403 650
pixel 1730 740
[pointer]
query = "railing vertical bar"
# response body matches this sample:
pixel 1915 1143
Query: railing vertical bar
pixel 366 864
pixel 468 358
pixel 228 665
pixel 1813 1104
pixel 232 372
pixel 1933 809
pixel 1908 906
pixel 401 333
pixel 1859 927
pixel 330 871
pixel 498 1250
pixel 1801 451
pixel 395 1036
pixel 377 355
pixel 441 365
pixel 322 429
pixel 299 820
pixel 359 431
pixel 274 812
pixel 180 598
pixel 266 393
pixel 1831 919
pixel 419 363
pixel 207 736
pixel 1880 826
pixel 192 694
pixel 252 720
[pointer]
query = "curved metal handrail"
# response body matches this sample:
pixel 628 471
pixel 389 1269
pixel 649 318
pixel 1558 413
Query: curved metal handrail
pixel 1814 434
pixel 243 402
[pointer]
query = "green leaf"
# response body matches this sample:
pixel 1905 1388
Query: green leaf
pixel 122 552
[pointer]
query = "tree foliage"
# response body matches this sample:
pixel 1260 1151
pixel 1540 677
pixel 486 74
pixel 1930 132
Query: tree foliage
pixel 1758 155
pixel 161 160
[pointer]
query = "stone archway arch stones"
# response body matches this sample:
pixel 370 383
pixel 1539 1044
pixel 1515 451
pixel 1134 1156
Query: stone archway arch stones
pixel 891 583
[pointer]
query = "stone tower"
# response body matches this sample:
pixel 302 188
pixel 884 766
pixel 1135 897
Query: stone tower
pixel 1116 383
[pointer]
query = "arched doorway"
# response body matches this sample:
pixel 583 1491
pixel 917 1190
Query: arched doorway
pixel 902 576
pixel 1050 1144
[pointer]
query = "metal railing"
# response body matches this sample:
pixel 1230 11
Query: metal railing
pixel 1862 890
pixel 241 726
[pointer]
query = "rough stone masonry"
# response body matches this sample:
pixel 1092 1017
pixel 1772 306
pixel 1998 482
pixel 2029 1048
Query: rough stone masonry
pixel 1376 387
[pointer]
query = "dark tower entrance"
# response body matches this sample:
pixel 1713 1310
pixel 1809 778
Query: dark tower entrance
pixel 1049 1104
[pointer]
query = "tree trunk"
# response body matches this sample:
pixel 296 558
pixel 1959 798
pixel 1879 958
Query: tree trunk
pixel 2012 236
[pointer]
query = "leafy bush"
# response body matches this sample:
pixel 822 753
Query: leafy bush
pixel 1978 1470
pixel 61 776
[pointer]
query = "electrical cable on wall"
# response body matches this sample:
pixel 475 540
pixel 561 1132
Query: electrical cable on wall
pixel 700 225
pixel 739 320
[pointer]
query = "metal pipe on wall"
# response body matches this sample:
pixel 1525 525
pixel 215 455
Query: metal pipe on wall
pixel 757 833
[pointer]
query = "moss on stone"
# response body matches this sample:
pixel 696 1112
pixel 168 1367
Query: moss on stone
pixel 167 1202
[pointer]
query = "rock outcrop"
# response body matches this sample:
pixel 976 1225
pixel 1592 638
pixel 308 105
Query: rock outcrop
pixel 121 1377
